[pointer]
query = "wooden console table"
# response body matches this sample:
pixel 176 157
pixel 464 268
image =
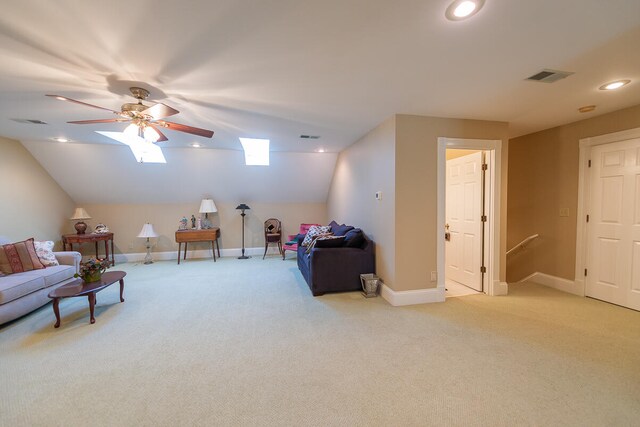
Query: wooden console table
pixel 204 235
pixel 69 239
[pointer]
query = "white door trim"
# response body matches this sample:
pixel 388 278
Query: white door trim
pixel 583 196
pixel 492 235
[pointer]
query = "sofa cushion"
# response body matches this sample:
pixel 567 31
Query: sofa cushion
pixel 19 257
pixel 44 250
pixel 329 242
pixel 354 238
pixel 313 232
pixel 340 229
pixel 14 286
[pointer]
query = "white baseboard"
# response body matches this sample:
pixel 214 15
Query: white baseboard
pixel 191 254
pixel 499 288
pixel 418 296
pixel 558 283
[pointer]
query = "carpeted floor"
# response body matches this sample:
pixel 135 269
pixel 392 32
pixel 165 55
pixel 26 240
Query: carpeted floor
pixel 244 343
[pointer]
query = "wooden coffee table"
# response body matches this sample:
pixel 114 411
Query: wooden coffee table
pixel 79 288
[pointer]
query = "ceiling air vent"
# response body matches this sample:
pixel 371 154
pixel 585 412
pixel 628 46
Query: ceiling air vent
pixel 310 136
pixel 549 76
pixel 30 121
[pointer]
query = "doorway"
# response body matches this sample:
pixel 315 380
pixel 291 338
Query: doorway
pixel 465 219
pixel 608 265
pixel 492 237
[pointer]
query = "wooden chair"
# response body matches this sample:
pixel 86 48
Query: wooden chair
pixel 272 234
pixel 294 246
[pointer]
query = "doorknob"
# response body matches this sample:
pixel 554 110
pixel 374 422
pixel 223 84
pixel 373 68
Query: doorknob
pixel 447 235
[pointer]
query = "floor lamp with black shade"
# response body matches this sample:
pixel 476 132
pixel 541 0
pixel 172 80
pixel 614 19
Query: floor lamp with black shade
pixel 243 207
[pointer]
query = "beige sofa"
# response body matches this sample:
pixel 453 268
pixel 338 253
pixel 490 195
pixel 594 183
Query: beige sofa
pixel 21 293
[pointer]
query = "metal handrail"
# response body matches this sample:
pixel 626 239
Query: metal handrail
pixel 524 243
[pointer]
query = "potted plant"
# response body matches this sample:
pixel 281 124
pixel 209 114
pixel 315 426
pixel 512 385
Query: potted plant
pixel 91 271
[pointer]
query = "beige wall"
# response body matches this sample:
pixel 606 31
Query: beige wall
pixel 399 157
pixel 126 221
pixel 416 191
pixel 32 204
pixel 543 178
pixel 454 153
pixel 364 168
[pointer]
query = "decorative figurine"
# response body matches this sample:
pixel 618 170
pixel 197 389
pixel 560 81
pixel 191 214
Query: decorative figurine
pixel 183 223
pixel 101 229
pixel 198 224
pixel 193 221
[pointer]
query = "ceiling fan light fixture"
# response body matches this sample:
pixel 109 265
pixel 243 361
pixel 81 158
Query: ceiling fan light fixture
pixel 150 134
pixel 131 131
pixel 463 9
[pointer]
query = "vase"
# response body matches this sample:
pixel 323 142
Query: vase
pixel 93 276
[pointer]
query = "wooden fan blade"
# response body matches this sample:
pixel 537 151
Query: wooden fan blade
pixel 64 98
pixel 87 122
pixel 162 136
pixel 160 111
pixel 184 128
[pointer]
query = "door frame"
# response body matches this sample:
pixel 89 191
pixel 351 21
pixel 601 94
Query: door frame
pixel 586 145
pixel 492 228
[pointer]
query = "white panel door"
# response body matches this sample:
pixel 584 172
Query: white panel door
pixel 463 252
pixel 613 230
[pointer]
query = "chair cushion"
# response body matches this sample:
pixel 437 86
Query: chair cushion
pixel 19 257
pixel 354 238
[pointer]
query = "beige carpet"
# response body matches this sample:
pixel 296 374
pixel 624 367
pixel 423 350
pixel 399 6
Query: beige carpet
pixel 245 343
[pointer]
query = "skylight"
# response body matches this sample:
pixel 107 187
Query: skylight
pixel 143 151
pixel 256 151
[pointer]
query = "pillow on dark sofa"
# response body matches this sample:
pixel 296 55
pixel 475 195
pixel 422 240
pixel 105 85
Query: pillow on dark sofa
pixel 354 238
pixel 329 242
pixel 340 230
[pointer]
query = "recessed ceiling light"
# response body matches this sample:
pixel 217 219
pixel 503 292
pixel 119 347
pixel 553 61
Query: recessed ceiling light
pixel 320 150
pixel 587 108
pixel 463 9
pixel 615 85
pixel 196 145
pixel 59 139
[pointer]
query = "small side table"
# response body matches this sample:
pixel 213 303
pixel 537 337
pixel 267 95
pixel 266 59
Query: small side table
pixel 69 239
pixel 204 235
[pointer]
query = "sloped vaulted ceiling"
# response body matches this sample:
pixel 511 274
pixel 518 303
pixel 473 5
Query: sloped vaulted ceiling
pixel 279 69
pixel 100 173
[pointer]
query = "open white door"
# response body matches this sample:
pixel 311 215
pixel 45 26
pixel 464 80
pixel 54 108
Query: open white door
pixel 463 250
pixel 613 230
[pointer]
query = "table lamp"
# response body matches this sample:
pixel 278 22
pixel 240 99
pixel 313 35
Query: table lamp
pixel 147 232
pixel 206 207
pixel 243 207
pixel 80 215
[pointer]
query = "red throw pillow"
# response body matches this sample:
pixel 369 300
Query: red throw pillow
pixel 19 257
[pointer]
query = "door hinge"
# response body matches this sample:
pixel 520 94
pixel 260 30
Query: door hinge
pixel 483 269
pixel 585 272
pixel 483 218
pixel 485 166
pixel 589 163
pixel 587 218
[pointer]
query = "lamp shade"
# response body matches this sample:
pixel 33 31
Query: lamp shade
pixel 80 214
pixel 207 206
pixel 147 231
pixel 242 206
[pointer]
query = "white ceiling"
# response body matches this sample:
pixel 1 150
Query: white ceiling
pixel 278 69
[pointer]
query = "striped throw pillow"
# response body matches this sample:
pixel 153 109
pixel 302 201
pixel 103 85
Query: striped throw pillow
pixel 19 257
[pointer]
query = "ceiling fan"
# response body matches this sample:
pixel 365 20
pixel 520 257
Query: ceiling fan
pixel 145 120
